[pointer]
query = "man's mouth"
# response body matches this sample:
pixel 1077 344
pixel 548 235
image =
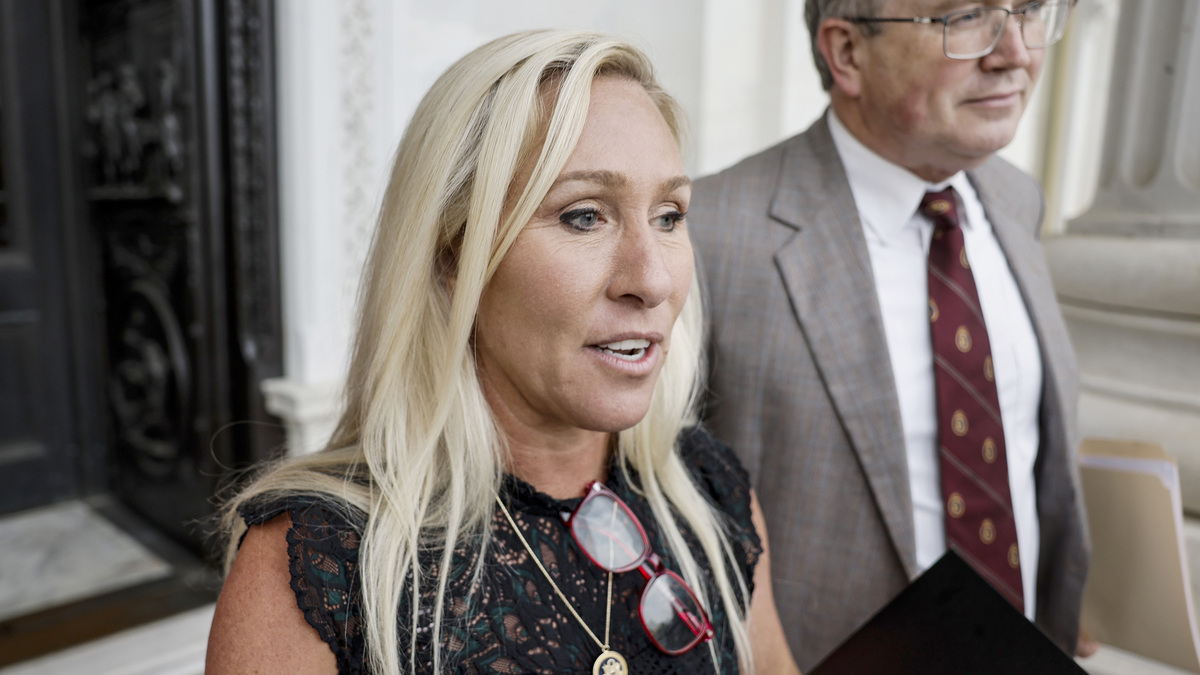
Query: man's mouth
pixel 997 98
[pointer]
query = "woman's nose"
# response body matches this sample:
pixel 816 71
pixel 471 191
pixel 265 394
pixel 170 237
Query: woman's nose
pixel 641 271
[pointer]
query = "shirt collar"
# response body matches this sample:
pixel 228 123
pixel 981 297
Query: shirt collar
pixel 887 195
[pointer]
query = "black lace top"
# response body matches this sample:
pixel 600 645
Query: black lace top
pixel 515 623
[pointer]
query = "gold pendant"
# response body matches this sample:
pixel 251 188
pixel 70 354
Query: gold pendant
pixel 610 663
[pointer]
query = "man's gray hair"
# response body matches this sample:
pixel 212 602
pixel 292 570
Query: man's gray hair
pixel 816 11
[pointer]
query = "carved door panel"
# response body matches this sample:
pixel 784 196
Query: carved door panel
pixel 179 175
pixel 139 293
pixel 38 445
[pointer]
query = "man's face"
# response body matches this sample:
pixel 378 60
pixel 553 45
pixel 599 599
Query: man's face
pixel 933 114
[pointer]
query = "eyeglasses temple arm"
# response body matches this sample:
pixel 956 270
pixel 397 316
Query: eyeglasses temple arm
pixel 696 623
pixel 910 19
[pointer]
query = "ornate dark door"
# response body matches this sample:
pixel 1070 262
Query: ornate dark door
pixel 139 295
pixel 178 164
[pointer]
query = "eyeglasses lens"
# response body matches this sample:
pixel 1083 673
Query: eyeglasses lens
pixel 671 613
pixel 1044 25
pixel 974 33
pixel 608 534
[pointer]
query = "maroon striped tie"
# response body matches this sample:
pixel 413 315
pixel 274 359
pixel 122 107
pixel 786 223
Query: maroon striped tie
pixel 979 519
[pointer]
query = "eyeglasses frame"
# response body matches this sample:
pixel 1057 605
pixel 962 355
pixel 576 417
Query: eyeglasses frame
pixel 648 563
pixel 946 18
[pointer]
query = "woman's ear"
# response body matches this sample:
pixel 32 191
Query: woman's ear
pixel 840 42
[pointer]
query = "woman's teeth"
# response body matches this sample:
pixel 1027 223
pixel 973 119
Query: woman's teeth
pixel 627 350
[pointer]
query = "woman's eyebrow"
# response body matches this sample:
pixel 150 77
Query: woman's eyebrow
pixel 605 178
pixel 673 184
pixel 612 179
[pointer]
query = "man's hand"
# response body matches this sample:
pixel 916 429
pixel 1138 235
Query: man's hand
pixel 1085 646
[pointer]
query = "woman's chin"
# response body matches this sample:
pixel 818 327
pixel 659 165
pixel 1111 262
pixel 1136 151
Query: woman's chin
pixel 616 416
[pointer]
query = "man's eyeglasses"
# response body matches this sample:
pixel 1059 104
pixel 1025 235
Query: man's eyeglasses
pixel 612 538
pixel 974 33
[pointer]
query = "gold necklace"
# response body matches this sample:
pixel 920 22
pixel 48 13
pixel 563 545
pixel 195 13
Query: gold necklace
pixel 609 662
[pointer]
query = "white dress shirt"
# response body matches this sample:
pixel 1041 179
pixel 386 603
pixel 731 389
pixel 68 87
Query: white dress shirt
pixel 887 197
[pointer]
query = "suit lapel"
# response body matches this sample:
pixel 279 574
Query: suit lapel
pixel 826 270
pixel 1010 223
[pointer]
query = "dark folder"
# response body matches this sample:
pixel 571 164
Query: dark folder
pixel 948 622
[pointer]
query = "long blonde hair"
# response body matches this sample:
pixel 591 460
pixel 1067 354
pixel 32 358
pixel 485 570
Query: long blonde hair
pixel 417 449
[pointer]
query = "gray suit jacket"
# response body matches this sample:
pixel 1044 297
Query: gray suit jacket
pixel 801 387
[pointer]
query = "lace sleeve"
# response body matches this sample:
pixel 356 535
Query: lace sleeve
pixel 323 549
pixel 721 476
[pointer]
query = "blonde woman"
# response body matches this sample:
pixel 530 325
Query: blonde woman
pixel 515 486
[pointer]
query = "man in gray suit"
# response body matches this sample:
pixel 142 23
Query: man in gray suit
pixel 818 257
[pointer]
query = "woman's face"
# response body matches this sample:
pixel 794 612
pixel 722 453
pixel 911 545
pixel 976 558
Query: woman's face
pixel 576 323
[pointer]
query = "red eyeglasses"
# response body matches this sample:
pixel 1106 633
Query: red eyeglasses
pixel 612 538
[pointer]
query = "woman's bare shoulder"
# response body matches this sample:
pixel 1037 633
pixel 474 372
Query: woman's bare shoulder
pixel 258 627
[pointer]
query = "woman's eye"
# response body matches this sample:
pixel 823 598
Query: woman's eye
pixel 580 219
pixel 668 221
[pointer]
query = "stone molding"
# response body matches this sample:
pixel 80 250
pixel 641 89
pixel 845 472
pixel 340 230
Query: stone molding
pixel 309 411
pixel 1150 175
pixel 1146 273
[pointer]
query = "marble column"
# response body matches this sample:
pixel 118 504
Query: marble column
pixel 1128 270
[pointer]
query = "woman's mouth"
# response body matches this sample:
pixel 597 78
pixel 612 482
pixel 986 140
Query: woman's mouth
pixel 626 350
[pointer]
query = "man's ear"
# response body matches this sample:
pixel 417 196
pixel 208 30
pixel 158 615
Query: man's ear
pixel 840 42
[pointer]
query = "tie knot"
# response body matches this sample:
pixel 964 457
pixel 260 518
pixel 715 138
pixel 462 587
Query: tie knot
pixel 941 207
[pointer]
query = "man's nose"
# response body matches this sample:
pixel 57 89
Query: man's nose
pixel 1011 50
